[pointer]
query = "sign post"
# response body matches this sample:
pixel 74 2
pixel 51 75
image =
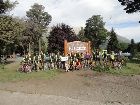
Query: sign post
pixel 77 47
pixel 65 47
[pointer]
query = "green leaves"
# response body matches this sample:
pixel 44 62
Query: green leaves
pixel 36 24
pixel 6 5
pixel 9 29
pixel 95 30
pixel 131 5
pixel 113 44
pixel 57 36
pixel 37 15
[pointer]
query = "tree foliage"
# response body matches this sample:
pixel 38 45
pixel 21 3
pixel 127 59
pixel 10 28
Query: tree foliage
pixel 10 30
pixel 95 31
pixel 36 25
pixel 138 46
pixel 6 5
pixel 131 5
pixel 81 35
pixel 37 15
pixel 123 46
pixel 113 43
pixel 132 48
pixel 57 36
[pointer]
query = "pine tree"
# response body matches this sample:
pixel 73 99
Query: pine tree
pixel 113 42
pixel 132 48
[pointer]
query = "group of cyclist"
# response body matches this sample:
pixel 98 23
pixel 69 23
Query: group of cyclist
pixel 73 61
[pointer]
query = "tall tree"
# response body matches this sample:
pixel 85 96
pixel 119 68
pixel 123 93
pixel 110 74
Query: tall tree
pixel 38 20
pixel 37 15
pixel 95 31
pixel 5 33
pixel 10 30
pixel 57 36
pixel 113 43
pixel 132 48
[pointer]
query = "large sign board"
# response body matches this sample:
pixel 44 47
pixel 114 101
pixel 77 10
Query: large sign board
pixel 76 47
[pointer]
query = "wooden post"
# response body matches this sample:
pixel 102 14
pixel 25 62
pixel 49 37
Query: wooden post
pixel 65 47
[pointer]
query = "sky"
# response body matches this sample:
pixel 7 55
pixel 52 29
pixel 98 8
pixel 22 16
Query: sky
pixel 76 12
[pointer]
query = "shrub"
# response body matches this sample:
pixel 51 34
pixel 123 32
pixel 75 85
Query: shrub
pixel 101 68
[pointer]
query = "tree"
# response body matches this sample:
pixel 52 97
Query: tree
pixel 57 36
pixel 7 22
pixel 132 48
pixel 10 30
pixel 7 34
pixel 81 35
pixel 37 15
pixel 113 43
pixel 37 23
pixel 6 5
pixel 138 46
pixel 123 46
pixel 137 55
pixel 131 5
pixel 95 31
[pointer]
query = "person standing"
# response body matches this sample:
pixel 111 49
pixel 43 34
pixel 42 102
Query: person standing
pixel 112 57
pixel 104 57
pixel 87 59
pixel 36 62
pixel 97 57
pixel 47 61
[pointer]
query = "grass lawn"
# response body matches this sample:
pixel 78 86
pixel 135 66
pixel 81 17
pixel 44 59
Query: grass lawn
pixel 130 69
pixel 10 74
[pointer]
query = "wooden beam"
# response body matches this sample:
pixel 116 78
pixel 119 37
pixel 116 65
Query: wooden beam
pixel 65 47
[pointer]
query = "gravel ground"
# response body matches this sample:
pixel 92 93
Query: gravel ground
pixel 16 98
pixel 73 88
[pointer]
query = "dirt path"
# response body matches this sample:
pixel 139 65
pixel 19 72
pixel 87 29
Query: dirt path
pixel 16 98
pixel 82 85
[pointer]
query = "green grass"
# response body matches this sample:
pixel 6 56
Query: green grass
pixel 130 69
pixel 10 74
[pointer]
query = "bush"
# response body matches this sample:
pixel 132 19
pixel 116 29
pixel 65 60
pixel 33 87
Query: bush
pixel 137 55
pixel 101 68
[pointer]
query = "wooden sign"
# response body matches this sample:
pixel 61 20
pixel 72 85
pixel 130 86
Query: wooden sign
pixel 76 47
